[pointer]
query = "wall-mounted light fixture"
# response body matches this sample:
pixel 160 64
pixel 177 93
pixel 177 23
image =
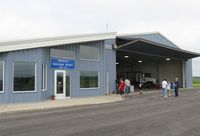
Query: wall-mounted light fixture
pixel 126 57
pixel 168 59
pixel 140 61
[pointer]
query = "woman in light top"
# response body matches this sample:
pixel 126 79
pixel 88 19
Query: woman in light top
pixel 168 88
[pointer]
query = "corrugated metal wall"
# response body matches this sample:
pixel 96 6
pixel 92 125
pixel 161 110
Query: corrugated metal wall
pixel 106 63
pixel 80 65
pixel 170 70
pixel 33 55
pixel 188 73
pixel 110 65
pixel 42 56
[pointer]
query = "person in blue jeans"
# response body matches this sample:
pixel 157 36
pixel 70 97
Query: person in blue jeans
pixel 164 88
pixel 128 84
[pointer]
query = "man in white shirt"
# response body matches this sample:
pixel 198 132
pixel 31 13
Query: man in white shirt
pixel 164 88
pixel 128 85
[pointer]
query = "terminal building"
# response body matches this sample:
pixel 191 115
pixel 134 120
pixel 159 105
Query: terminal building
pixel 87 65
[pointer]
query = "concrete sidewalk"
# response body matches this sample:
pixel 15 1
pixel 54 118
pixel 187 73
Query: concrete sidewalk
pixel 9 108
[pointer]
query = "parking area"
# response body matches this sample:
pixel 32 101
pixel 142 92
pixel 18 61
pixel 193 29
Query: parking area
pixel 148 114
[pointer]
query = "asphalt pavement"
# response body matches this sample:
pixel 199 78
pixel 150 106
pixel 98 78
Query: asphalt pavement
pixel 139 115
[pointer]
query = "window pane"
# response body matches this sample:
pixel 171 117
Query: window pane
pixel 89 79
pixel 24 76
pixel 1 75
pixel 62 53
pixel 89 52
pixel 59 83
pixel 44 77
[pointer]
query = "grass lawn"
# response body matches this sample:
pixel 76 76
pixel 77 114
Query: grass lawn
pixel 196 82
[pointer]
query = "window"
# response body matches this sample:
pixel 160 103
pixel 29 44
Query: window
pixel 24 76
pixel 89 79
pixel 89 52
pixel 1 76
pixel 44 77
pixel 58 53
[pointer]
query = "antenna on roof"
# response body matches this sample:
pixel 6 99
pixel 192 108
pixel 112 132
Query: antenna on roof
pixel 106 27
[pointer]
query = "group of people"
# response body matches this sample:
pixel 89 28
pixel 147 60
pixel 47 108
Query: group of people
pixel 124 87
pixel 167 86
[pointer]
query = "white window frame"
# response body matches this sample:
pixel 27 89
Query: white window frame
pixel 44 75
pixel 31 91
pixel 82 59
pixel 3 89
pixel 94 88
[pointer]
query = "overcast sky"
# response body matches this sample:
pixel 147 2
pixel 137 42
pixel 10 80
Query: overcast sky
pixel 178 20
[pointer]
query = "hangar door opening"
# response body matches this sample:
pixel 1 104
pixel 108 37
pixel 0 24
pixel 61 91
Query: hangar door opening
pixel 153 58
pixel 151 69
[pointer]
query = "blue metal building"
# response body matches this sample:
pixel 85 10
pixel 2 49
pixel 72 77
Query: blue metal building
pixel 85 65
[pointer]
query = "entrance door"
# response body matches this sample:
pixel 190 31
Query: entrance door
pixel 61 83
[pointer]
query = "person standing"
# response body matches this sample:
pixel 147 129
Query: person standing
pixel 168 88
pixel 176 86
pixel 117 85
pixel 164 88
pixel 140 86
pixel 121 88
pixel 128 85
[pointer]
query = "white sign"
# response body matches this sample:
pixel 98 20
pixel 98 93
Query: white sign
pixel 108 47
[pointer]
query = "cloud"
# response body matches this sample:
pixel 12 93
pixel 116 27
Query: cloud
pixel 178 20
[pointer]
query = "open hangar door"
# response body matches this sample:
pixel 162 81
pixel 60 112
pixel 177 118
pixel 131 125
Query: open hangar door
pixel 152 70
pixel 153 58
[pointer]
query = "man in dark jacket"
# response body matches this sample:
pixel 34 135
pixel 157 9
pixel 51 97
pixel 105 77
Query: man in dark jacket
pixel 176 86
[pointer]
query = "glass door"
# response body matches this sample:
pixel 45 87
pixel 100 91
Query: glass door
pixel 67 83
pixel 59 84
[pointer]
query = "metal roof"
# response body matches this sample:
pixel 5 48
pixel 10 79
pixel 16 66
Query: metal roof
pixel 153 48
pixel 153 44
pixel 155 37
pixel 54 41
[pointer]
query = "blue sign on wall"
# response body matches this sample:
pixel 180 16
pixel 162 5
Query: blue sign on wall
pixel 61 63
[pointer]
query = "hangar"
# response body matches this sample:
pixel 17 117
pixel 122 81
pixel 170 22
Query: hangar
pixel 154 58
pixel 87 65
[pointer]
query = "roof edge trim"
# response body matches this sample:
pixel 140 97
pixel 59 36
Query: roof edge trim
pixel 48 42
